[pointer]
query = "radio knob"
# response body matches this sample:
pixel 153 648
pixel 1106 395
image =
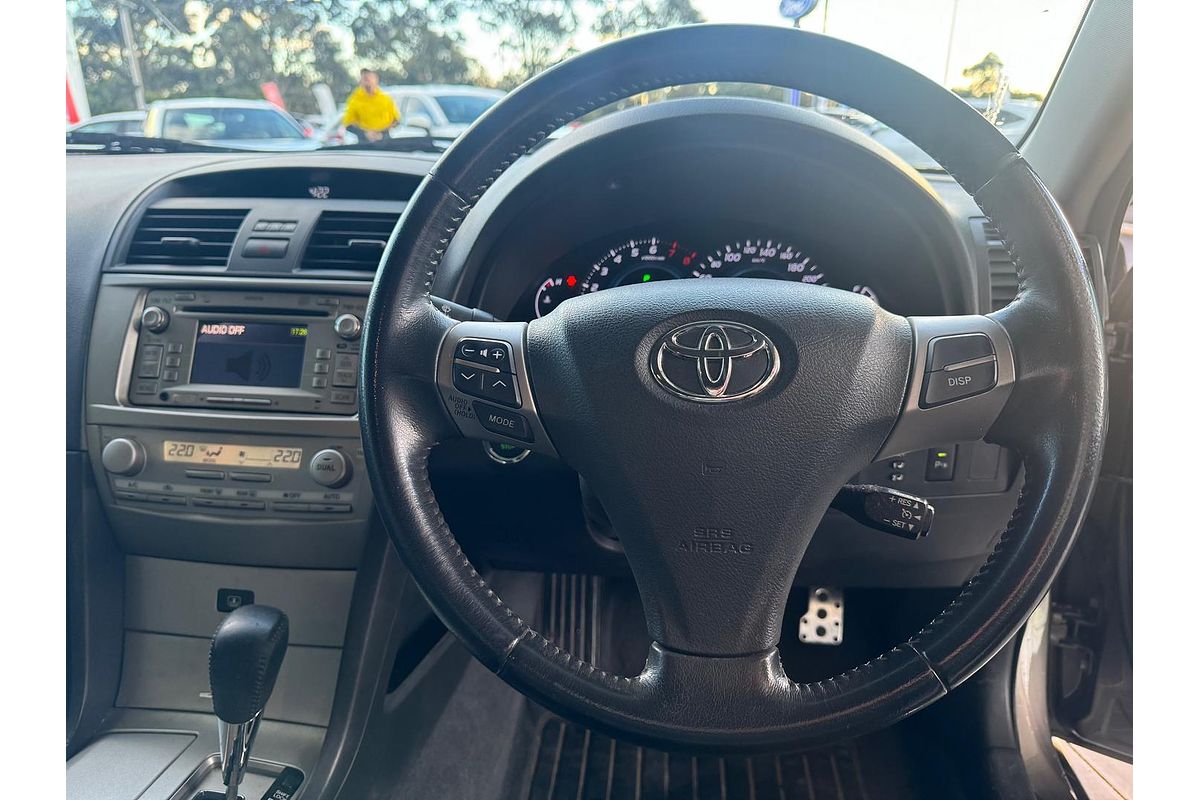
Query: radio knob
pixel 330 468
pixel 123 457
pixel 155 319
pixel 347 326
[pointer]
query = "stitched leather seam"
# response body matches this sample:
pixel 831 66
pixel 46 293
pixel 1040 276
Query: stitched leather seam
pixel 929 664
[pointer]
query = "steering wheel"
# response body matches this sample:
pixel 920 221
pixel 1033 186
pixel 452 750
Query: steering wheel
pixel 717 419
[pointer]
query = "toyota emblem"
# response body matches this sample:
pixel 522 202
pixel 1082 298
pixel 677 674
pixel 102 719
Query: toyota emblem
pixel 715 361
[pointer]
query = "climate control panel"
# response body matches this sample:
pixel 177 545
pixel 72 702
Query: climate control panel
pixel 238 475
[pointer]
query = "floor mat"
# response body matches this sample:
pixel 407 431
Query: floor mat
pixel 574 762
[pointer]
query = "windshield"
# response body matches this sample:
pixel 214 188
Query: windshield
pixel 324 63
pixel 461 109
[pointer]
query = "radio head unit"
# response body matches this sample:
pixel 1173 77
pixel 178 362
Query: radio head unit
pixel 263 351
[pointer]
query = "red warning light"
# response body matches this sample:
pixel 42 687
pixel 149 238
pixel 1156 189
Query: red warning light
pixel 571 280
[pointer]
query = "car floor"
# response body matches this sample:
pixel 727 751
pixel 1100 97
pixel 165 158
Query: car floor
pixel 487 741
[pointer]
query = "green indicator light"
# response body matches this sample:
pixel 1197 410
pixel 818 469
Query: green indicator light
pixel 645 277
pixel 942 454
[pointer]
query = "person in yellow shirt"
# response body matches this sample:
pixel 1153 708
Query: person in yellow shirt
pixel 370 111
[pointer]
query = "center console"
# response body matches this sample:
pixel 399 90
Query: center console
pixel 230 432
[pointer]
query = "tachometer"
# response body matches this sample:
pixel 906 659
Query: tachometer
pixel 640 261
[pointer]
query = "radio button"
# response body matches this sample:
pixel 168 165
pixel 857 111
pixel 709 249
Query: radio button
pixel 155 319
pixel 150 361
pixel 321 369
pixel 320 382
pixel 347 326
pixel 342 398
pixel 345 378
pixel 174 347
pixel 292 506
pixel 323 354
pixel 171 375
pixel 145 387
pixel 172 361
pixel 329 468
pixel 137 497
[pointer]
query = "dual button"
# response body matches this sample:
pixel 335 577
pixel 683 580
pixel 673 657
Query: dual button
pixel 958 367
pixel 483 369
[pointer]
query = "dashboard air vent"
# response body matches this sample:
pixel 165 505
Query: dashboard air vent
pixel 349 240
pixel 185 237
pixel 1001 269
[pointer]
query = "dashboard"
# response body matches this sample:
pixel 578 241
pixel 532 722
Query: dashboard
pixel 234 413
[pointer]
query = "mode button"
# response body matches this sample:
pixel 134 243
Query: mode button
pixel 503 421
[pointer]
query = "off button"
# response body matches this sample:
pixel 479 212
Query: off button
pixel 330 468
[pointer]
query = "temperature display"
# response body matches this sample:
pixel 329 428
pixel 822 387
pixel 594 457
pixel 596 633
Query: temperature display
pixel 233 455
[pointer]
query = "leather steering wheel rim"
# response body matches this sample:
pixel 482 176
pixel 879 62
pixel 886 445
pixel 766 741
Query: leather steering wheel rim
pixel 1054 415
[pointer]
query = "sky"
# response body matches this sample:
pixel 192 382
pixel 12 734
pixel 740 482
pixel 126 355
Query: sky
pixel 1031 36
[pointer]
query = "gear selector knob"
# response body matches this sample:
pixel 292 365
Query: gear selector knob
pixel 243 662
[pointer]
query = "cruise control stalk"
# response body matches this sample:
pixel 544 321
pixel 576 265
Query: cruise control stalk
pixel 886 510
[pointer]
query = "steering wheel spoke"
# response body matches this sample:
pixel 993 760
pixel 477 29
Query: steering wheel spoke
pixel 963 372
pixel 483 379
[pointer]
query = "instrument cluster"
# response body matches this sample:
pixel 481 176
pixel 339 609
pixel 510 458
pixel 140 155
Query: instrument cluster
pixel 645 258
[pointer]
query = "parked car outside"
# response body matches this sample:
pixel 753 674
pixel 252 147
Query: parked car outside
pixel 126 122
pixel 441 111
pixel 249 124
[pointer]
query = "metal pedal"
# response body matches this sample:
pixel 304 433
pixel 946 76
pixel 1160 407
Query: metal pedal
pixel 822 621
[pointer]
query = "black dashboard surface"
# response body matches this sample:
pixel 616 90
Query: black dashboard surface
pixel 500 271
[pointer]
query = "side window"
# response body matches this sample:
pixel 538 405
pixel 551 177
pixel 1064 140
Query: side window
pixel 1127 235
pixel 100 127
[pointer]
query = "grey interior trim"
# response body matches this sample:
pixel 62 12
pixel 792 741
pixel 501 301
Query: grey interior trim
pixel 279 742
pixel 180 598
pixel 171 673
pixel 1031 706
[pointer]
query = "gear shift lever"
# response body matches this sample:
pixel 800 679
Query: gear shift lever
pixel 243 663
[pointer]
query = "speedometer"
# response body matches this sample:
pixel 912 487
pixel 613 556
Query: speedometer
pixel 762 258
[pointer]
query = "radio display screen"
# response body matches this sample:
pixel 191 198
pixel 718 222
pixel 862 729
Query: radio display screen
pixel 233 455
pixel 249 353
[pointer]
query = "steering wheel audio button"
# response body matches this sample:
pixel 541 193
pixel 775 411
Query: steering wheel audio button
pixel 480 351
pixel 468 379
pixel 500 388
